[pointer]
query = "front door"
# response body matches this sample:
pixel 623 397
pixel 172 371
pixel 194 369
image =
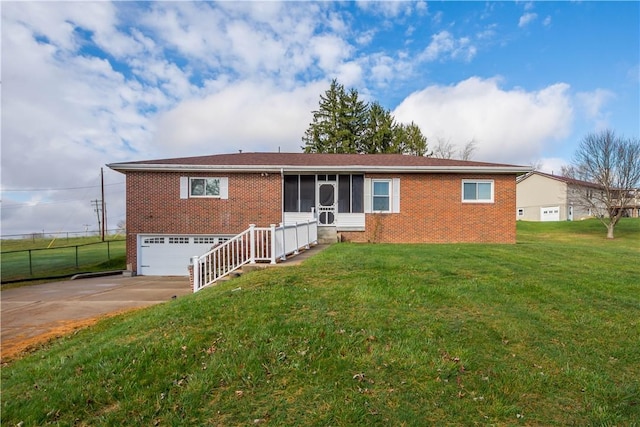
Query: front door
pixel 326 203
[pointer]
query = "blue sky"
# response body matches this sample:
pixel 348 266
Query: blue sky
pixel 90 83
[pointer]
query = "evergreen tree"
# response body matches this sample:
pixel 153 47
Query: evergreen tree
pixel 345 124
pixel 354 114
pixel 379 131
pixel 408 139
pixel 325 132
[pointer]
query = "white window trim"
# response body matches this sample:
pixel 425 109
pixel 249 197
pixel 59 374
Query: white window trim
pixel 477 181
pixel 394 195
pixel 185 187
pixel 389 196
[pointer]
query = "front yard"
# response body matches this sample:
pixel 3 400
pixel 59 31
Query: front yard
pixel 542 332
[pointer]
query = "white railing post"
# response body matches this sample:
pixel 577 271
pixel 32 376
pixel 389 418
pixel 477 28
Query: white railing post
pixel 196 272
pixel 297 250
pixel 308 245
pixel 273 243
pixel 252 243
pixel 284 242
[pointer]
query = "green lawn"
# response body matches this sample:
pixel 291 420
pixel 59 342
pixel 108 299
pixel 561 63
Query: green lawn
pixel 544 332
pixel 28 259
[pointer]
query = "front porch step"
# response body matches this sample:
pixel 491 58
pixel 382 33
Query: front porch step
pixel 328 235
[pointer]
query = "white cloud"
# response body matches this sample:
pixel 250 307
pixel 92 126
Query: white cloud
pixel 436 19
pixel 445 46
pixel 592 104
pixel 547 21
pixel 526 19
pixel 366 37
pixel 389 9
pixel 552 165
pixel 329 50
pixel 247 115
pixel 508 125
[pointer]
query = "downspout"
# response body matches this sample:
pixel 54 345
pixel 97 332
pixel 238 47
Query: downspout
pixel 282 194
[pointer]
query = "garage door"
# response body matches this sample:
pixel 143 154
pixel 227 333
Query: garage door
pixel 550 214
pixel 169 255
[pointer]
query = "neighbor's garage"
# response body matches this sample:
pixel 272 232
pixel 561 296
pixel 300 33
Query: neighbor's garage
pixel 169 255
pixel 550 213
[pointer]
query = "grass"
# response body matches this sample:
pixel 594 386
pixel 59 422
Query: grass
pixel 544 332
pixel 28 259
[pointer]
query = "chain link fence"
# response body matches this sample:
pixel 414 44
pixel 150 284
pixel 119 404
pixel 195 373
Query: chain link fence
pixel 34 263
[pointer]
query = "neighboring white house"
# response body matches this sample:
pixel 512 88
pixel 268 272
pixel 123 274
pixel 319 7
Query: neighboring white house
pixel 544 197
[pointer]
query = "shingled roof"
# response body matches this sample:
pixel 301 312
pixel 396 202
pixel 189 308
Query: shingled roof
pixel 291 162
pixel 561 179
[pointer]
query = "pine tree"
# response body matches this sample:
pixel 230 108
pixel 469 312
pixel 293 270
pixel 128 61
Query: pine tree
pixel 345 124
pixel 326 131
pixel 379 133
pixel 408 139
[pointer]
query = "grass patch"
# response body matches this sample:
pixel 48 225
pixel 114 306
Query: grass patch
pixel 544 332
pixel 33 259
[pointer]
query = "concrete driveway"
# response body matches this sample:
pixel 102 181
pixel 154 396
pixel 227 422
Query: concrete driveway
pixel 32 314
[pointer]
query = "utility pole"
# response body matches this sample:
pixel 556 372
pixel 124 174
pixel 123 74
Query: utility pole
pixel 104 225
pixel 96 206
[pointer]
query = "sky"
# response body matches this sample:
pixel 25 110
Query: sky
pixel 85 84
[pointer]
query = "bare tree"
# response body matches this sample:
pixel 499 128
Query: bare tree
pixel 535 165
pixel 570 171
pixel 467 151
pixel 444 149
pixel 613 164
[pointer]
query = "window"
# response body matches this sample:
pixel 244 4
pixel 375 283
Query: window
pixel 307 193
pixel 153 240
pixel 197 187
pixel 351 193
pixel 204 240
pixel 381 194
pixel 291 193
pixel 178 240
pixel 204 187
pixel 299 193
pixel 477 191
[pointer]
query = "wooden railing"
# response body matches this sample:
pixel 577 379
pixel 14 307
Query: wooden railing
pixel 256 244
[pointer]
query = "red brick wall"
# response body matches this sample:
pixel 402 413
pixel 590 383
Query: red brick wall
pixel 431 211
pixel 154 206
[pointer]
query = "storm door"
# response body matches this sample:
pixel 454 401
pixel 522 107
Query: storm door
pixel 327 203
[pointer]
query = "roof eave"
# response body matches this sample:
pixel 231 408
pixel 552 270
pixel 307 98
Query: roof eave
pixel 147 167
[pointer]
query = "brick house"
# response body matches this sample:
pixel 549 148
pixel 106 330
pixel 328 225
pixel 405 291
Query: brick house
pixel 180 207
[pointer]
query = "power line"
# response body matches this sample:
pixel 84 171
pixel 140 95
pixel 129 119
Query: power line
pixel 58 189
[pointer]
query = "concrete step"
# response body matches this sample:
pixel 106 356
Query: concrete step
pixel 327 235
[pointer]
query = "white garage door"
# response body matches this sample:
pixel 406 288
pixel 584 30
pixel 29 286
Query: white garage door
pixel 550 214
pixel 169 255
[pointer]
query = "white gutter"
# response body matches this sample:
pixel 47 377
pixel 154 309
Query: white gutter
pixel 148 167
